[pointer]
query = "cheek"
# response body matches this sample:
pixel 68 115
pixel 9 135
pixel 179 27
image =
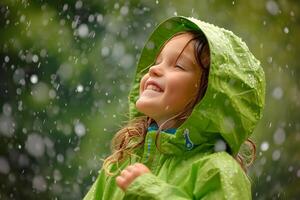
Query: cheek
pixel 183 91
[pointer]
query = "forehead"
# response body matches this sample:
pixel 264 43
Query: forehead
pixel 180 45
pixel 179 41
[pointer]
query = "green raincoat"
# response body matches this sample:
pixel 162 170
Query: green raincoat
pixel 188 165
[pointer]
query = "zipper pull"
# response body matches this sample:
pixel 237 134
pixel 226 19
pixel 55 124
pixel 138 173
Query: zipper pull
pixel 188 142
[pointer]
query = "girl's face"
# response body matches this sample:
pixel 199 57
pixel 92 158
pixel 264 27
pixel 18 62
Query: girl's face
pixel 172 82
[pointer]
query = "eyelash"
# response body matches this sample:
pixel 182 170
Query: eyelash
pixel 176 66
pixel 179 67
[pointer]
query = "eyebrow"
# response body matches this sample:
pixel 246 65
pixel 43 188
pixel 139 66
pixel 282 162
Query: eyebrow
pixel 183 54
pixel 191 60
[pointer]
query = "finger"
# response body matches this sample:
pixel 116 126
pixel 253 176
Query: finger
pixel 125 173
pixel 133 170
pixel 130 168
pixel 124 179
pixel 128 176
pixel 121 182
pixel 141 168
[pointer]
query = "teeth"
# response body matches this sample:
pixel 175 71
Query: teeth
pixel 153 87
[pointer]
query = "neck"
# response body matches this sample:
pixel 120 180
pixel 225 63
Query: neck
pixel 166 124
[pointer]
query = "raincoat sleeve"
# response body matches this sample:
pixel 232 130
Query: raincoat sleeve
pixel 214 177
pixel 148 186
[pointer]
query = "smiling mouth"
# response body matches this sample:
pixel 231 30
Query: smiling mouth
pixel 153 88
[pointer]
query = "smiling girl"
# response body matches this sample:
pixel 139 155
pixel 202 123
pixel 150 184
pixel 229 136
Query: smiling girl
pixel 196 97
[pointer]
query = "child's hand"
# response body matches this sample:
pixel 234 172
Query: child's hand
pixel 130 173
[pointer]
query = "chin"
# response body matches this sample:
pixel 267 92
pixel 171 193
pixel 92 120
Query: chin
pixel 146 108
pixel 140 106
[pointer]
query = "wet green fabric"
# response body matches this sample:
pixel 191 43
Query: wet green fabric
pixel 187 165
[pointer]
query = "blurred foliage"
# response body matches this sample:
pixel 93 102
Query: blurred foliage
pixel 66 69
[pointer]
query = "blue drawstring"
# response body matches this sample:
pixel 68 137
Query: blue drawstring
pixel 188 142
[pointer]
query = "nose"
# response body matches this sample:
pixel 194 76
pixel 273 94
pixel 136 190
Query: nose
pixel 155 70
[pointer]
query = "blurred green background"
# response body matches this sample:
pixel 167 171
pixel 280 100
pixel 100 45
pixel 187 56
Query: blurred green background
pixel 66 69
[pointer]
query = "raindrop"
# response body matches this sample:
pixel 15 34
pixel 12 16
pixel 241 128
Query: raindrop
pixel 4 166
pixel 22 18
pixel 124 10
pixel 286 30
pixel 264 146
pixel 263 160
pixel 276 155
pixel 67 129
pixel 35 58
pixel 18 76
pixel 57 175
pixel 39 183
pixel 277 93
pixel 18 91
pixel 40 92
pixel 35 145
pixel 22 82
pixel 65 71
pixel 43 53
pixel 6 59
pixel 65 7
pixel 116 6
pixel 279 136
pixel 78 5
pixel 118 50
pixel 79 88
pixel 52 94
pixel 34 78
pixel 105 51
pixel 83 30
pixel 272 7
pixel 91 18
pixel 6 109
pixel 99 18
pixel 270 59
pixel 127 61
pixel 7 125
pixel 79 129
pixel 60 158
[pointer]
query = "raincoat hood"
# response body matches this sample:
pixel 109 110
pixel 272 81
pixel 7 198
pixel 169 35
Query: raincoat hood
pixel 234 99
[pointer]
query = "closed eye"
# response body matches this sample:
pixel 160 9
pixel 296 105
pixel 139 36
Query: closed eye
pixel 180 67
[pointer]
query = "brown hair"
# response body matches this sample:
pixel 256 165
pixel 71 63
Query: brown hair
pixel 133 134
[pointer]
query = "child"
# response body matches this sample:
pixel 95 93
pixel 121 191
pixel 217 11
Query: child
pixel 196 98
